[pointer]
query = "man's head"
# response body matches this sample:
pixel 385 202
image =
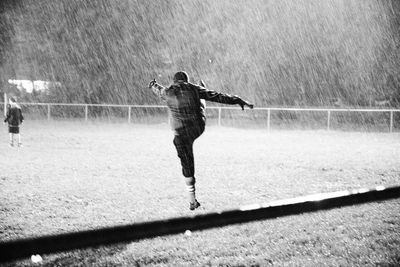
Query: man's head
pixel 181 76
pixel 12 100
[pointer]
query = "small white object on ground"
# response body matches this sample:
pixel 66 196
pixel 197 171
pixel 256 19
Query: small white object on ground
pixel 188 233
pixel 36 258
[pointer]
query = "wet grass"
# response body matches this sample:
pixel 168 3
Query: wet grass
pixel 71 176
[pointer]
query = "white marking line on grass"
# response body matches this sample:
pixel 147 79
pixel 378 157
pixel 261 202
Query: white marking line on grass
pixel 251 207
pixel 315 197
pixel 296 200
pixel 359 191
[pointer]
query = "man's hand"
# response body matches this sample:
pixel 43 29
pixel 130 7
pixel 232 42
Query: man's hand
pixel 153 82
pixel 243 103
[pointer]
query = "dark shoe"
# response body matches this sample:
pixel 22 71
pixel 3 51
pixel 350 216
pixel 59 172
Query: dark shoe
pixel 194 205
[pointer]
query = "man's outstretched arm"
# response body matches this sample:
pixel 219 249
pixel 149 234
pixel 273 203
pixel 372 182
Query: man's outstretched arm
pixel 158 89
pixel 214 96
pixel 8 115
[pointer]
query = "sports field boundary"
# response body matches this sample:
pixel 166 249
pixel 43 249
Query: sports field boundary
pixel 329 111
pixel 22 248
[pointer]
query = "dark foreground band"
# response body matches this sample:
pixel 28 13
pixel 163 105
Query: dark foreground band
pixel 18 249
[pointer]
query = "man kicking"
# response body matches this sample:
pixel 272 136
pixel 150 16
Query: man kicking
pixel 184 101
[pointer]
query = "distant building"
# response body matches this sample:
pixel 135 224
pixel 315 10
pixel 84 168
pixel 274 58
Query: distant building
pixel 29 85
pixel 382 103
pixel 336 102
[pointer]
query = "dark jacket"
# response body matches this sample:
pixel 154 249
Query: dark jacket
pixel 14 116
pixel 185 105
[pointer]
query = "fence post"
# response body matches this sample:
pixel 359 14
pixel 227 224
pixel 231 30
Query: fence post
pixel 86 112
pixel 219 116
pixel 268 118
pixel 129 114
pixel 391 121
pixel 48 112
pixel 5 104
pixel 329 120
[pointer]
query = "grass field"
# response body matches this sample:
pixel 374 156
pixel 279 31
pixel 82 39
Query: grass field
pixel 72 176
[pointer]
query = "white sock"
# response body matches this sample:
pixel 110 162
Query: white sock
pixel 190 182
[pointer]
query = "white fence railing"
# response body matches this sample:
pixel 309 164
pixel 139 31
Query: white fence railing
pixel 269 110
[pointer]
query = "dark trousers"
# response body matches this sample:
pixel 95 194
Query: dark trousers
pixel 183 141
pixel 13 129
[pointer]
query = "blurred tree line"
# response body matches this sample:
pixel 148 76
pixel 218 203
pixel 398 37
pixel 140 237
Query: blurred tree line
pixel 303 53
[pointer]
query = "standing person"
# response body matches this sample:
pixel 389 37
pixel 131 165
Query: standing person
pixel 184 101
pixel 14 118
